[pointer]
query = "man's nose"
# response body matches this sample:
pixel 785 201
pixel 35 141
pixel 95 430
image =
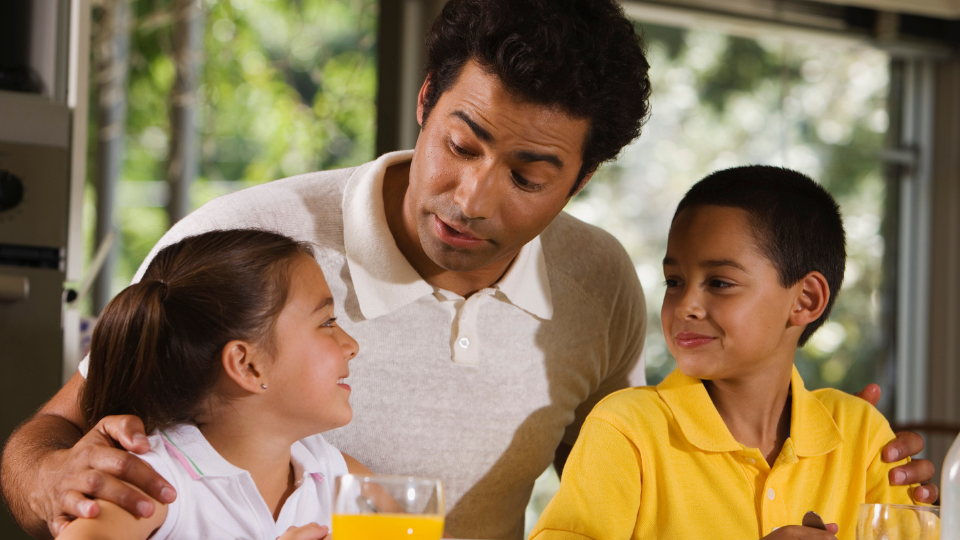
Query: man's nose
pixel 477 193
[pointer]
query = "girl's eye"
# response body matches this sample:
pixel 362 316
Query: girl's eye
pixel 329 323
pixel 524 183
pixel 720 284
pixel 670 283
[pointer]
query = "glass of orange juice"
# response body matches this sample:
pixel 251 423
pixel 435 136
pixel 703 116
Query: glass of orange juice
pixel 387 508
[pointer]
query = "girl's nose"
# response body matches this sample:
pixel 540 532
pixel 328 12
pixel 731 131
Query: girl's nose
pixel 349 345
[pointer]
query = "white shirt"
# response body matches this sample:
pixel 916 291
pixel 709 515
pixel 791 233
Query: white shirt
pixel 219 501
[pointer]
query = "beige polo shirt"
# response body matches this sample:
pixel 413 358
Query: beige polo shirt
pixel 478 391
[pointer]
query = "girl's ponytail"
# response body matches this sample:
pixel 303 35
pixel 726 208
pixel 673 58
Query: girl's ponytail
pixel 125 355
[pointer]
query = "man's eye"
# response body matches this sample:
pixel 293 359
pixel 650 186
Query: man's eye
pixel 524 183
pixel 457 149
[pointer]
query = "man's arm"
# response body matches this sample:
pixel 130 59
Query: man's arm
pixel 50 468
pixel 907 444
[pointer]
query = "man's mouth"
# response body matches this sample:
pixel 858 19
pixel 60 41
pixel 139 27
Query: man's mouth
pixel 457 237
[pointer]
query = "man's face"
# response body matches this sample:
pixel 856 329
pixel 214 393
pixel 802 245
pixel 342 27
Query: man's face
pixel 489 172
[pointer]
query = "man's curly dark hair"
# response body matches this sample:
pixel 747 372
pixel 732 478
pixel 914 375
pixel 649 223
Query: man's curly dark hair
pixel 582 56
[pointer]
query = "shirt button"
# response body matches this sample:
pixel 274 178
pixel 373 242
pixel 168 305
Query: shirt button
pixel 750 460
pixel 464 343
pixel 771 494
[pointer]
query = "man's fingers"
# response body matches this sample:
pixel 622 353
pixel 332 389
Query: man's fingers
pixel 926 493
pixel 127 430
pixel 57 525
pixel 871 394
pixel 915 472
pixel 100 485
pixel 133 470
pixel 74 503
pixel 906 444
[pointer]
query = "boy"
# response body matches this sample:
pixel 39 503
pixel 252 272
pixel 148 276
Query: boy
pixel 731 444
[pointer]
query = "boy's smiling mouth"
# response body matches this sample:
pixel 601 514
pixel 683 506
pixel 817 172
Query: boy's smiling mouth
pixel 689 340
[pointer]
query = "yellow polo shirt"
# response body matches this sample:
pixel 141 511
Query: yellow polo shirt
pixel 658 462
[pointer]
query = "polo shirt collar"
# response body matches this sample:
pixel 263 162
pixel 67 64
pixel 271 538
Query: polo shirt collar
pixel 192 450
pixel 383 278
pixel 813 431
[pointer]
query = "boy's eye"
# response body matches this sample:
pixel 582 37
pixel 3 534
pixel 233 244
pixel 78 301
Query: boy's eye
pixel 670 283
pixel 329 323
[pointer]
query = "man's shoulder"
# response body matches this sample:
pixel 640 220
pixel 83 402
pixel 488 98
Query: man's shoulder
pixel 296 193
pixel 588 258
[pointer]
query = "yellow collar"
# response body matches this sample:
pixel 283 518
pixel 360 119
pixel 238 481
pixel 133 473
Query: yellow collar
pixel 812 429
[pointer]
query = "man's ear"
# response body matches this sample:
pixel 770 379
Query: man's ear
pixel 814 294
pixel 583 183
pixel 421 97
pixel 242 364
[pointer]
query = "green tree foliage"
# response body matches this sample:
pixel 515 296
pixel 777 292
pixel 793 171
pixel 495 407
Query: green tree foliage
pixel 288 87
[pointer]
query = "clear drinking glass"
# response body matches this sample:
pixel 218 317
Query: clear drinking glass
pixel 898 522
pixel 387 508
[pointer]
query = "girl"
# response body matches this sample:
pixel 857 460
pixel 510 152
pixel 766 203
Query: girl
pixel 229 352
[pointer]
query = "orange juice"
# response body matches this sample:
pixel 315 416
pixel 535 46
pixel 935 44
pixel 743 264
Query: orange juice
pixel 387 527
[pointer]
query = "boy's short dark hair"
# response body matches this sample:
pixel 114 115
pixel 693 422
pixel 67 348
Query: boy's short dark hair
pixel 796 222
pixel 582 56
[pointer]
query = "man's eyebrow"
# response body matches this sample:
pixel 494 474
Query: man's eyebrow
pixel 328 301
pixel 530 157
pixel 481 133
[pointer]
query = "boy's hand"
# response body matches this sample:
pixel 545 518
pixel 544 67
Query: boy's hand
pixel 798 532
pixel 907 444
pixel 311 531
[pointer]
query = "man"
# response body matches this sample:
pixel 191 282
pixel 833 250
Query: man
pixel 489 322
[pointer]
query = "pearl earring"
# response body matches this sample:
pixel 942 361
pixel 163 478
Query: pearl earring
pixel 263 386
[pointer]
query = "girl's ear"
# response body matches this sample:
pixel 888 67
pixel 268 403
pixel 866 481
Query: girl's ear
pixel 243 365
pixel 814 294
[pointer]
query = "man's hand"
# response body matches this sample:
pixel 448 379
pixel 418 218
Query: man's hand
pixel 798 532
pixel 907 444
pixel 94 468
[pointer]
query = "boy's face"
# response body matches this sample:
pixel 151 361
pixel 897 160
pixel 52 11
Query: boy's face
pixel 725 314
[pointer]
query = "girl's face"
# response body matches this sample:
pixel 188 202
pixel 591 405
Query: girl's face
pixel 307 378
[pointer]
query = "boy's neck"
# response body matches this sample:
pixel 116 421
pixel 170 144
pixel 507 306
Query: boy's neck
pixel 756 409
pixel 265 455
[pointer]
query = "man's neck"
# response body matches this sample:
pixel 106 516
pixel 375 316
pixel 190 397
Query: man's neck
pixel 403 228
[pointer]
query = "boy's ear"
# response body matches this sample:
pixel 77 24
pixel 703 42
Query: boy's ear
pixel 812 301
pixel 241 364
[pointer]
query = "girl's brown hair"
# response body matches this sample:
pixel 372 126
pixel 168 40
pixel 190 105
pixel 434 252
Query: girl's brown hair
pixel 155 352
